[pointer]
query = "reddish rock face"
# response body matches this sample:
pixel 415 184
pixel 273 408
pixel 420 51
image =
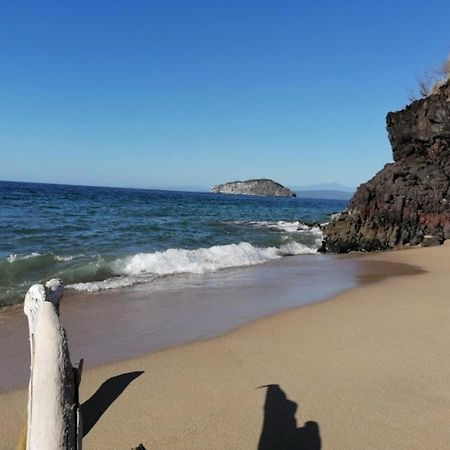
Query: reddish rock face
pixel 408 200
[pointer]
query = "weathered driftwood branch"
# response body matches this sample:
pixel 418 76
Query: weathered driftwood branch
pixel 54 420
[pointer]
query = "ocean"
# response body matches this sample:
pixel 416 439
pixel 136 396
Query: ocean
pixel 99 238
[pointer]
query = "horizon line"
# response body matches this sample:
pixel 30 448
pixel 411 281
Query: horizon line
pixel 180 188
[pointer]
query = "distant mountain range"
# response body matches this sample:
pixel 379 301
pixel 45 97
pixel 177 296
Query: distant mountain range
pixel 324 187
pixel 332 191
pixel 325 194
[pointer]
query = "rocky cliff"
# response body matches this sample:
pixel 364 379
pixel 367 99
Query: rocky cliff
pixel 408 201
pixel 262 186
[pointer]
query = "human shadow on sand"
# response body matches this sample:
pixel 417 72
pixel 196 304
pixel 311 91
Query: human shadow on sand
pixel 102 399
pixel 280 425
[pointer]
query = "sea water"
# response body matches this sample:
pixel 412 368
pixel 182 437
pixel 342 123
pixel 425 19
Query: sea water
pixel 97 238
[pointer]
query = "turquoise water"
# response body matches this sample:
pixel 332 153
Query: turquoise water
pixel 96 238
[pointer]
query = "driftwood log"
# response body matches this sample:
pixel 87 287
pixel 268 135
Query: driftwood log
pixel 53 416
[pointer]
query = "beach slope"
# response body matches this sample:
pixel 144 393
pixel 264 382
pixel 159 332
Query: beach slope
pixel 368 369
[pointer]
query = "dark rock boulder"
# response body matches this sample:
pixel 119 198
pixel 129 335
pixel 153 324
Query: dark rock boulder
pixel 415 129
pixel 408 201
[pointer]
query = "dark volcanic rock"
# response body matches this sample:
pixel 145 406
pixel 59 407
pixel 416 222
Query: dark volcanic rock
pixel 408 201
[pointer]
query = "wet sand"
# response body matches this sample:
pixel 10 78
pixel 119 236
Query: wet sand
pixel 118 324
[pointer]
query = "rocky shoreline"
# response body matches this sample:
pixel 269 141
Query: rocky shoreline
pixel 407 202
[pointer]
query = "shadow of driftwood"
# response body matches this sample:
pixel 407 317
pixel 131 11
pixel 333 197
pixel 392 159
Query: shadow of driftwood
pixel 280 426
pixel 105 395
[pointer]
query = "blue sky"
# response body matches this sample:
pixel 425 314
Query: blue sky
pixel 178 93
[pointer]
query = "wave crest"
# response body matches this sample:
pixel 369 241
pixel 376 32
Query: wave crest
pixel 137 268
pixel 204 260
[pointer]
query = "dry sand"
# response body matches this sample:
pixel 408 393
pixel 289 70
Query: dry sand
pixel 369 369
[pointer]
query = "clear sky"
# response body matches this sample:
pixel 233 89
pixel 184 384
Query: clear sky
pixel 192 93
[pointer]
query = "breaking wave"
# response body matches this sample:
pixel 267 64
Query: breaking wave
pixel 100 272
pixel 144 267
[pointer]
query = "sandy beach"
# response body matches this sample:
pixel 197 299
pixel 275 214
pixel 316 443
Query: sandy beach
pixel 368 369
pixel 225 225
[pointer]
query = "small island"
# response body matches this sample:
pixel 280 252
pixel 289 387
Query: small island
pixel 260 186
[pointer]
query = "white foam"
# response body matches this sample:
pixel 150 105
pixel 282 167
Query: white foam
pixel 63 258
pixel 14 257
pixel 110 283
pixel 281 225
pixel 204 260
pixel 287 226
pixel 143 267
pixel 293 227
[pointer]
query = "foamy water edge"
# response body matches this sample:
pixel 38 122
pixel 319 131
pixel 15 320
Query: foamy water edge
pixel 145 267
